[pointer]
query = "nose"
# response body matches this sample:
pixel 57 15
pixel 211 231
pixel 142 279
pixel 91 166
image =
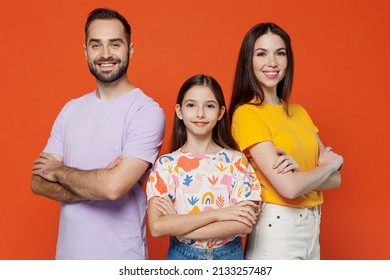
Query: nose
pixel 106 52
pixel 272 61
pixel 200 112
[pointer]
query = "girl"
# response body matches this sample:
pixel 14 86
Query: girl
pixel 262 120
pixel 204 194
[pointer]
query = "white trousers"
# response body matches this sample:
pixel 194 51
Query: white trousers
pixel 285 233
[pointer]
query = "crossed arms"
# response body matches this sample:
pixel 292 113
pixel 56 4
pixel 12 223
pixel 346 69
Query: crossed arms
pixel 293 184
pixel 56 181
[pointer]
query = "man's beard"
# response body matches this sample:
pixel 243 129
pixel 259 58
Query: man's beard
pixel 113 76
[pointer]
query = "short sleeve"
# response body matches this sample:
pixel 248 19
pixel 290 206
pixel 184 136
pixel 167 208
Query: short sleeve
pixel 162 181
pixel 145 133
pixel 247 185
pixel 55 144
pixel 248 128
pixel 307 119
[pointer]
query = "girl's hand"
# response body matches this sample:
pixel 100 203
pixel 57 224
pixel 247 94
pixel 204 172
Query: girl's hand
pixel 245 212
pixel 285 163
pixel 327 156
pixel 165 206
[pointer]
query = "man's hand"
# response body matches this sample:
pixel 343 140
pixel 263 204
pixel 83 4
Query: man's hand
pixel 46 166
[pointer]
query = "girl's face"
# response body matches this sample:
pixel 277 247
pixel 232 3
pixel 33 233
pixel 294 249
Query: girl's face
pixel 269 61
pixel 199 111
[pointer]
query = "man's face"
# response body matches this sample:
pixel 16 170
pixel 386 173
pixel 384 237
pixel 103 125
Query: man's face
pixel 107 50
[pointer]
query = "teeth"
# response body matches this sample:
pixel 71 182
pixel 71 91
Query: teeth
pixel 271 73
pixel 106 65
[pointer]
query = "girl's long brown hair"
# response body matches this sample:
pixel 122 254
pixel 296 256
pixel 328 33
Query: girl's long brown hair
pixel 221 132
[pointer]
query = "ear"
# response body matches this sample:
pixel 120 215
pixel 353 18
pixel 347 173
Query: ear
pixel 221 112
pixel 131 49
pixel 85 51
pixel 178 111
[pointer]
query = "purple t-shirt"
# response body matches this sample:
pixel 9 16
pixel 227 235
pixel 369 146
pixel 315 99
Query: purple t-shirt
pixel 88 134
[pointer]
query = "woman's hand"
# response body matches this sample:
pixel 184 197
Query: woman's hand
pixel 285 163
pixel 327 156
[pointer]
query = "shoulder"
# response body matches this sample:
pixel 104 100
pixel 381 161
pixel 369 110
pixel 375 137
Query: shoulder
pixel 144 103
pixel 247 108
pixel 76 102
pixel 144 111
pixel 233 155
pixel 296 108
pixel 166 158
pixel 249 111
pixel 142 99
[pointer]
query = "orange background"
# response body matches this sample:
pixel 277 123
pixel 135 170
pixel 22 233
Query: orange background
pixel 342 60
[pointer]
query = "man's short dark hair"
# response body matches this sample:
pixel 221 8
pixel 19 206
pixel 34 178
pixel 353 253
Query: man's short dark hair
pixel 108 14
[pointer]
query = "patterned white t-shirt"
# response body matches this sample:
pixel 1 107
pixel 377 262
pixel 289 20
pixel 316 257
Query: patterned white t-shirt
pixel 196 183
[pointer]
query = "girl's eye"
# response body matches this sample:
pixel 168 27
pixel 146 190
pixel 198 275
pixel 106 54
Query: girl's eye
pixel 260 54
pixel 190 105
pixel 281 53
pixel 210 106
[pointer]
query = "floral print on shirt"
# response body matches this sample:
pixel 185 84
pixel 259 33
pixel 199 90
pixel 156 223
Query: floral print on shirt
pixel 197 183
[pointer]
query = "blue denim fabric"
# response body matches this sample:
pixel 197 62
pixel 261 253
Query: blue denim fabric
pixel 230 251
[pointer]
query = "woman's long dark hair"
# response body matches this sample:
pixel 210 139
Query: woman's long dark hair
pixel 221 132
pixel 246 87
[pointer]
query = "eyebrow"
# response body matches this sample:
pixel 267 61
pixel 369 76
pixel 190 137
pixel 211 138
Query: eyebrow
pixel 193 100
pixel 110 40
pixel 262 49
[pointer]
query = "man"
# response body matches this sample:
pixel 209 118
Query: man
pixel 100 147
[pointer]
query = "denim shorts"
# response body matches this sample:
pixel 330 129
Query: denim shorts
pixel 230 251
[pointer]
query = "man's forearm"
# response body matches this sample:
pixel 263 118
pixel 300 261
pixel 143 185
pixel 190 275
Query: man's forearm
pixel 91 184
pixel 109 183
pixel 54 191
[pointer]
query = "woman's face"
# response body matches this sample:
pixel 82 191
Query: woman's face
pixel 269 61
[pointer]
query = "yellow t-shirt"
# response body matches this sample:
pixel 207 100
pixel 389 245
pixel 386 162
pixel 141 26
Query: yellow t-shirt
pixel 253 124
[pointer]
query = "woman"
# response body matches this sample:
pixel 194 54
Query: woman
pixel 263 121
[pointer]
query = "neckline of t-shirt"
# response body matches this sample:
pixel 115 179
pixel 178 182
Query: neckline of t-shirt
pixel 114 99
pixel 182 151
pixel 276 106
pixel 273 105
